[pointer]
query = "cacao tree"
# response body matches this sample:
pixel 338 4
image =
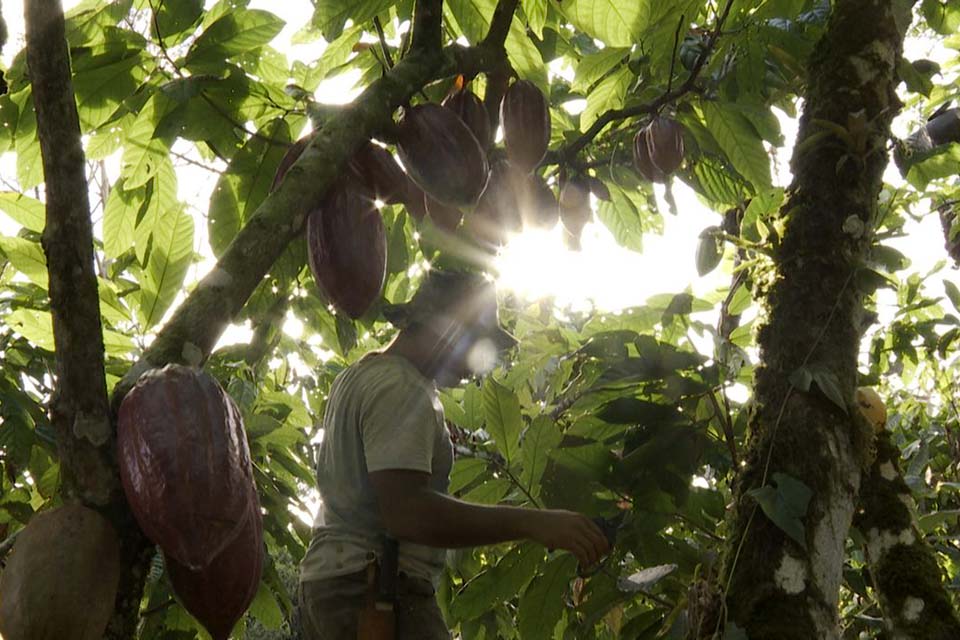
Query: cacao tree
pixel 167 166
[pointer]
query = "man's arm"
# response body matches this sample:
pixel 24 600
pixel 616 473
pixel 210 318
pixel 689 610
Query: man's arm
pixel 414 512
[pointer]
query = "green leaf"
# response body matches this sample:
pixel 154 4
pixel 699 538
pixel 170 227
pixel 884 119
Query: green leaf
pixel 473 17
pixel 490 492
pixel 501 582
pixel 941 162
pixel 541 605
pixel 525 57
pixel 802 378
pixel 502 409
pixel 174 17
pixel 26 211
pixel 591 461
pixel 830 386
pixel 594 66
pixel 235 33
pixel 27 258
pixel 616 23
pixel 170 257
pixel 786 505
pixel 536 13
pixel 540 439
pixel 37 327
pixel 621 217
pixel 330 15
pixel 609 94
pixel 265 608
pixel 465 471
pixel 100 88
pixel 953 292
pixel 120 219
pixel 142 153
pixel 739 141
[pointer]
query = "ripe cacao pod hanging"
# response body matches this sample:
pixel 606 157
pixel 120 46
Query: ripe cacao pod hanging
pixel 538 205
pixel 658 149
pixel 219 594
pixel 447 218
pixel 575 211
pixel 498 211
pixel 469 108
pixel 184 462
pixel 61 577
pixel 441 155
pixel 525 117
pixel 294 152
pixel 375 168
pixel 347 249
pixel 872 407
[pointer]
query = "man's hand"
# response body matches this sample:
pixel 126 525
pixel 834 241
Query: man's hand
pixel 573 532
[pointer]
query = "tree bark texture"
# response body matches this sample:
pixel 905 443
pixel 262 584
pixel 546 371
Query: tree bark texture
pixel 776 588
pixel 903 569
pixel 80 410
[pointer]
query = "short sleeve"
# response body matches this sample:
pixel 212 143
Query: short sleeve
pixel 398 426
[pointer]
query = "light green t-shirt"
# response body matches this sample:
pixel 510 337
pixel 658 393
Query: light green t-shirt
pixel 381 414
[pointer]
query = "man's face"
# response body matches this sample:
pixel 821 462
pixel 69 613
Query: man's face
pixel 463 347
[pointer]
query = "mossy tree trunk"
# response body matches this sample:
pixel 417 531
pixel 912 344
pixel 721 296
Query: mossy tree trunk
pixel 778 587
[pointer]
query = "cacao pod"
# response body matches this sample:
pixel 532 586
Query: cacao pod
pixel 658 149
pixel 441 155
pixel 538 205
pixel 347 249
pixel 219 594
pixel 61 577
pixel 498 211
pixel 575 211
pixel 872 407
pixel 294 152
pixel 184 462
pixel 378 172
pixel 525 117
pixel 447 218
pixel 469 107
pixel 414 201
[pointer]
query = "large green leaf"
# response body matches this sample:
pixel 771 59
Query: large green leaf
pixel 100 88
pixel 502 409
pixel 120 219
pixel 27 257
pixel 142 152
pixel 594 66
pixel 235 33
pixel 609 94
pixel 330 15
pixel 541 605
pixel 472 16
pixel 25 211
pixel 37 327
pixel 740 142
pixel 501 582
pixel 170 256
pixel 616 23
pixel 786 505
pixel 538 441
pixel 942 162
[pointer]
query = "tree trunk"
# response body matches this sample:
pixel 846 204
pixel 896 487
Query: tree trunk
pixel 776 587
pixel 904 570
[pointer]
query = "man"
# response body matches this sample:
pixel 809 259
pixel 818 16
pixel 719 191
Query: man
pixel 384 465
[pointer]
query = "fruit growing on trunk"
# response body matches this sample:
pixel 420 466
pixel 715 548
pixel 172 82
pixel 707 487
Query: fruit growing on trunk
pixel 347 248
pixel 658 149
pixel 575 209
pixel 525 117
pixel 218 595
pixel 498 211
pixel 538 205
pixel 469 108
pixel 61 577
pixel 374 168
pixel 447 218
pixel 184 463
pixel 872 407
pixel 442 155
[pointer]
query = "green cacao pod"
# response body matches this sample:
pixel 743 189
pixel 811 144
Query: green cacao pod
pixel 219 594
pixel 469 108
pixel 575 211
pixel 184 462
pixel 525 117
pixel 442 155
pixel 538 205
pixel 347 249
pixel 658 149
pixel 61 577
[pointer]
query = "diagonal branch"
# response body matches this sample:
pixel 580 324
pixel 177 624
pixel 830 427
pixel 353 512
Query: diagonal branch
pixel 567 153
pixel 427 25
pixel 500 23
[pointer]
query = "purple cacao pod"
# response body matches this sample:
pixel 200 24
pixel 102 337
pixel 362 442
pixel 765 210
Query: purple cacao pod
pixel 525 117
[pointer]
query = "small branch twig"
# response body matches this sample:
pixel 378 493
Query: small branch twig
pixel 7 544
pixel 383 42
pixel 673 57
pixel 500 23
pixel 427 25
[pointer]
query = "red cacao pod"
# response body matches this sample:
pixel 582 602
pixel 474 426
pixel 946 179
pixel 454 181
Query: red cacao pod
pixel 658 149
pixel 219 594
pixel 498 211
pixel 447 218
pixel 441 155
pixel 61 577
pixel 575 211
pixel 376 170
pixel 538 205
pixel 294 152
pixel 525 117
pixel 184 462
pixel 469 107
pixel 347 249
pixel 414 201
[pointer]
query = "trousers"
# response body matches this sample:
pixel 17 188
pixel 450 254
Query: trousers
pixel 330 608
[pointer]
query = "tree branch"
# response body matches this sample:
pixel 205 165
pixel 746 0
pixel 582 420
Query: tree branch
pixel 567 153
pixel 500 23
pixel 427 26
pixel 79 408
